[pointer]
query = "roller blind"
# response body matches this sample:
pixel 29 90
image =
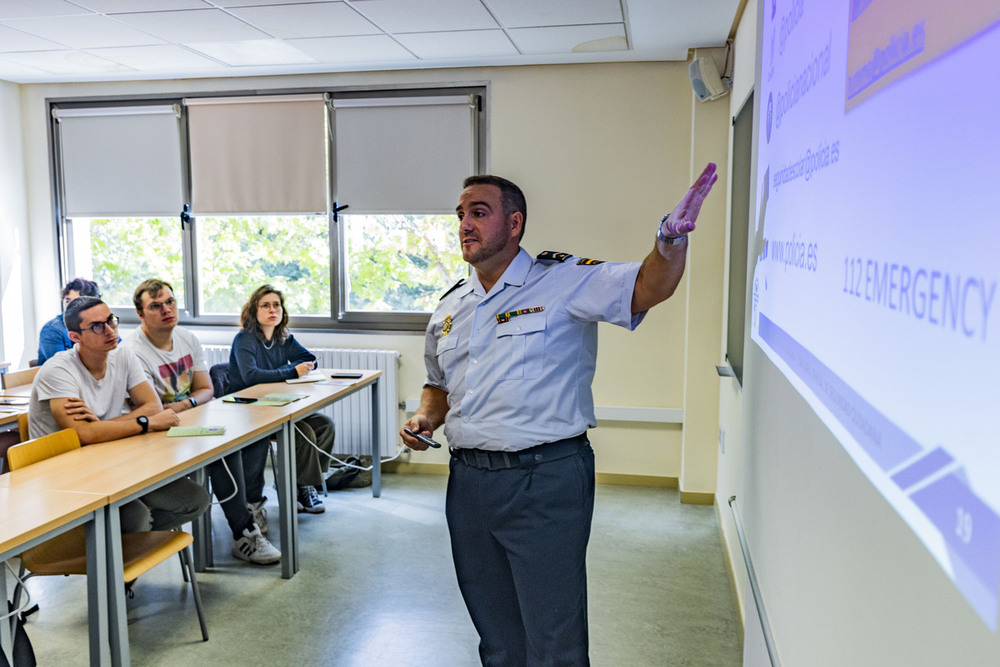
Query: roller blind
pixel 403 154
pixel 262 154
pixel 121 161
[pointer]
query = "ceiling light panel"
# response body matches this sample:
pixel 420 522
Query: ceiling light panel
pixel 248 53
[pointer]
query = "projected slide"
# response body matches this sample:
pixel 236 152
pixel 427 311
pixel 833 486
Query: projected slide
pixel 877 241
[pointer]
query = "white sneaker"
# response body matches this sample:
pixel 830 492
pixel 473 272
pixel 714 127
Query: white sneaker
pixel 254 548
pixel 259 514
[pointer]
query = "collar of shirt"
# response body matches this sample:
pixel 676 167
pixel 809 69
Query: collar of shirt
pixel 515 274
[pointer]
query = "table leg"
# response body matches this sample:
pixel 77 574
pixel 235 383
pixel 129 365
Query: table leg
pixel 97 589
pixel 285 480
pixel 376 435
pixel 118 620
pixel 7 625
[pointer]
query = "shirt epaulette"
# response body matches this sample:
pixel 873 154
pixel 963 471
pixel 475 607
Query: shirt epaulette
pixel 453 288
pixel 552 255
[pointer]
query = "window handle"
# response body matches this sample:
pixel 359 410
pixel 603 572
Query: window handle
pixel 337 210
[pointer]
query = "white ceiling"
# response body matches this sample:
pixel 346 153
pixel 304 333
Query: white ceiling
pixel 102 40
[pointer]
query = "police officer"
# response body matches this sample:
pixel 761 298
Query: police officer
pixel 510 356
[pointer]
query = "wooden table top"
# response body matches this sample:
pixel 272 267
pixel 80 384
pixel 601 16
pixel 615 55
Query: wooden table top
pixel 121 468
pixel 29 513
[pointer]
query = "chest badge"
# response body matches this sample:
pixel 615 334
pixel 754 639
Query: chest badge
pixel 446 326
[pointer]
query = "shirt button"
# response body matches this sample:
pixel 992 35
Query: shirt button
pixel 472 391
pixel 517 328
pixel 465 419
pixel 475 361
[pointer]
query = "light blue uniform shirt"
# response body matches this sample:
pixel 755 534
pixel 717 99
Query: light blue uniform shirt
pixel 523 378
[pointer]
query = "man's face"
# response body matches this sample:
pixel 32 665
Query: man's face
pixel 159 311
pixel 88 339
pixel 484 230
pixel 70 295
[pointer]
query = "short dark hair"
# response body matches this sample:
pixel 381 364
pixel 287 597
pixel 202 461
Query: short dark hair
pixel 248 316
pixel 152 286
pixel 511 197
pixel 83 286
pixel 74 311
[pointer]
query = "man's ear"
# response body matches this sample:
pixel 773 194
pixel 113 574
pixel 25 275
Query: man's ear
pixel 516 223
pixel 74 336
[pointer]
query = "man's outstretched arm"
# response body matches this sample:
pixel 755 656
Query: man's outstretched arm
pixel 663 268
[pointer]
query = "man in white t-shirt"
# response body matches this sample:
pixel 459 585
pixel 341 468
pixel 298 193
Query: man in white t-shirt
pixel 86 388
pixel 172 360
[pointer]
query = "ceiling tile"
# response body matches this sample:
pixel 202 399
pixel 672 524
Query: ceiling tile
pixel 11 9
pixel 258 3
pixel 15 40
pixel 364 49
pixel 532 13
pixel 199 25
pixel 253 52
pixel 78 32
pixel 159 58
pixel 325 19
pixel 119 6
pixel 583 38
pixel 396 16
pixel 466 44
pixel 66 62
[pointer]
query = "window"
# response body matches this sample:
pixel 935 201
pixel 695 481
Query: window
pixel 344 201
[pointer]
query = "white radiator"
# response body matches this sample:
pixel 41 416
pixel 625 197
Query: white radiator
pixel 352 414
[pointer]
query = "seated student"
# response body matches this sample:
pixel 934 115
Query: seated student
pixel 53 336
pixel 85 389
pixel 175 366
pixel 265 351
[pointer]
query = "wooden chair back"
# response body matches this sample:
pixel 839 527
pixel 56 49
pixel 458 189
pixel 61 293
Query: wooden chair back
pixel 39 449
pixel 13 379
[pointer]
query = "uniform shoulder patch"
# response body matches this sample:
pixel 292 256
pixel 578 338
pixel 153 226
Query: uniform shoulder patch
pixel 553 256
pixel 453 288
pixel 589 262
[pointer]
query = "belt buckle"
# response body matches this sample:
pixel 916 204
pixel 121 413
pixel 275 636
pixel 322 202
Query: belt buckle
pixel 482 459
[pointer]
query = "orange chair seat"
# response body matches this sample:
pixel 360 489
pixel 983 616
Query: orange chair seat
pixel 66 553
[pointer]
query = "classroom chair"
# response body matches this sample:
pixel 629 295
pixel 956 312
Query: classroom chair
pixel 13 379
pixel 66 554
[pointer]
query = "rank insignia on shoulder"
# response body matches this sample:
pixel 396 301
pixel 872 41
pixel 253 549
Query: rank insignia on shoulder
pixel 554 256
pixel 453 288
pixel 589 262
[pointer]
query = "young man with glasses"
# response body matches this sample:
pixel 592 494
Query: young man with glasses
pixel 172 360
pixel 53 336
pixel 85 389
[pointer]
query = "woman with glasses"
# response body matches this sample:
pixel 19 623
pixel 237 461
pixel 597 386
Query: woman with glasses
pixel 265 351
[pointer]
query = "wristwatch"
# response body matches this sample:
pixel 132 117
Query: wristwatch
pixel 194 403
pixel 669 240
pixel 143 423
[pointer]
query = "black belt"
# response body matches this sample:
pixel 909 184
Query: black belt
pixel 549 451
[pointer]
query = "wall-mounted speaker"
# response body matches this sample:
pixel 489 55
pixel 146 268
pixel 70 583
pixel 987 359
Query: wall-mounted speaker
pixel 705 79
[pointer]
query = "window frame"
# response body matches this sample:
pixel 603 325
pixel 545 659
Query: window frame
pixel 339 319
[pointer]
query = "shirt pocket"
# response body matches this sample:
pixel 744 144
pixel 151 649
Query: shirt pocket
pixel 521 345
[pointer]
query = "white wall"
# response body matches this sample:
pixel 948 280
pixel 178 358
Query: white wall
pixel 601 151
